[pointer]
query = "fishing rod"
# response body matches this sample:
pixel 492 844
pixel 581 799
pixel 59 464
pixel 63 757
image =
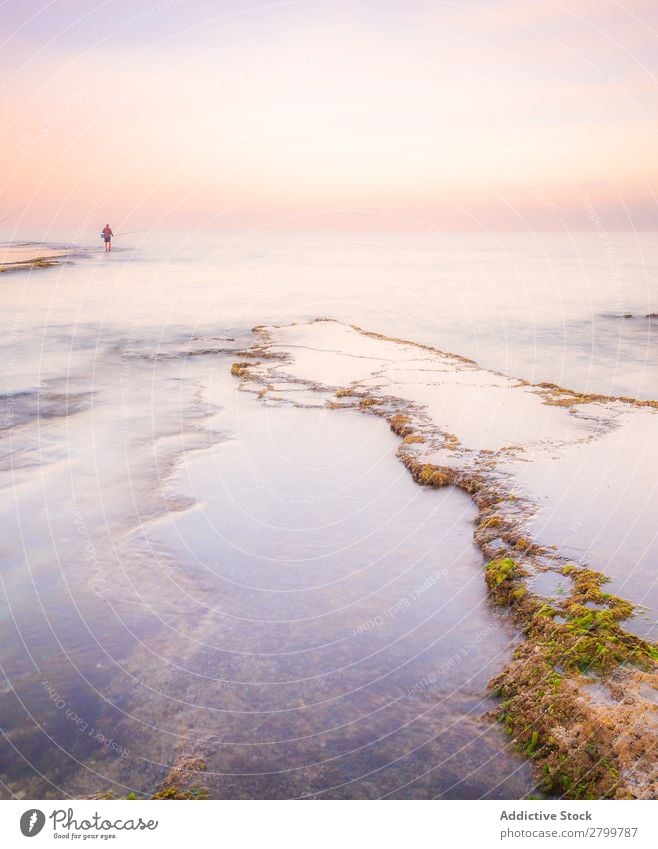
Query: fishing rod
pixel 130 233
pixel 2 220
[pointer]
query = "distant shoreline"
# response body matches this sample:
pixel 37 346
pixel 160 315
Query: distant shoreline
pixel 20 257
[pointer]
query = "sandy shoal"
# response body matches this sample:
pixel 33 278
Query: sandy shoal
pixel 23 255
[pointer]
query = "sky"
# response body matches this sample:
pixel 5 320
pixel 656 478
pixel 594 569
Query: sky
pixel 364 114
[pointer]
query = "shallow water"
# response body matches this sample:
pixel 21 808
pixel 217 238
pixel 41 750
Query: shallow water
pixel 542 306
pixel 183 566
pixel 295 608
pixel 578 476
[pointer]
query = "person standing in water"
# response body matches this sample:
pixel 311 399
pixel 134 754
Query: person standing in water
pixel 107 237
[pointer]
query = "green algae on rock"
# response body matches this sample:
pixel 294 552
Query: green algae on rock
pixel 543 707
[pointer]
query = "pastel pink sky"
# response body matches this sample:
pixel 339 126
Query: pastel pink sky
pixel 187 113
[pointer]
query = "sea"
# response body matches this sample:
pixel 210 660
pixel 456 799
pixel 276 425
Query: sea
pixel 188 572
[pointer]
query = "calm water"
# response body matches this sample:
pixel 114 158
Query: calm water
pixel 543 306
pixel 185 569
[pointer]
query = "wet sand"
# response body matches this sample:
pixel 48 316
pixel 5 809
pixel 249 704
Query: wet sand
pixel 15 257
